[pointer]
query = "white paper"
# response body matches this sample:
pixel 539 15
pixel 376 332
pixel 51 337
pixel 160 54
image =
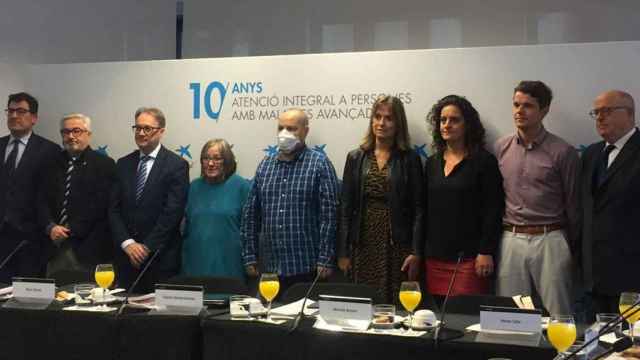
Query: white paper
pixel 34 290
pixel 510 321
pixel 179 298
pixel 98 308
pixel 477 328
pixel 293 309
pixel 322 325
pixel 6 291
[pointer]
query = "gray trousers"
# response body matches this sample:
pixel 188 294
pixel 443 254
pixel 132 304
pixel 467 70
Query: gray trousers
pixel 541 261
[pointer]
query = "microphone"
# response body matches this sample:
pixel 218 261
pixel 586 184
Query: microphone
pixel 15 250
pixel 137 280
pixel 443 311
pixel 631 310
pixel 620 345
pixel 296 320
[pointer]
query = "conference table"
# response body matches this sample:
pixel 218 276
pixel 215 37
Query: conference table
pixel 59 334
pixel 224 338
pixel 53 333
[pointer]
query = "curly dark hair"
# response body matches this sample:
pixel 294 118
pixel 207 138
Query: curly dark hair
pixel 474 133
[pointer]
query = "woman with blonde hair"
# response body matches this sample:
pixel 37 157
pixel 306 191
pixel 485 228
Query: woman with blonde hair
pixel 380 231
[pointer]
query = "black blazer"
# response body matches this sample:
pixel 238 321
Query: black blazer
pixel 406 200
pixel 91 182
pixel 155 221
pixel 19 197
pixel 610 213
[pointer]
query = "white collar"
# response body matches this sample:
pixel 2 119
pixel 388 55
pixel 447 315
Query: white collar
pixel 153 154
pixel 623 140
pixel 24 140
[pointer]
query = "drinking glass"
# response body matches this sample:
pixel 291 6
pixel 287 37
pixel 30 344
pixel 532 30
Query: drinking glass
pixel 410 297
pixel 627 301
pixel 561 333
pixel 269 287
pixel 104 277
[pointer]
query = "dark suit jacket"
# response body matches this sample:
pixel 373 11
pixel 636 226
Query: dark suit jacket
pixel 405 200
pixel 610 213
pixel 91 182
pixel 18 197
pixel 155 220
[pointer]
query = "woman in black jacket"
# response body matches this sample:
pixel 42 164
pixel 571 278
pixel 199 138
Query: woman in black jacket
pixel 380 231
pixel 465 201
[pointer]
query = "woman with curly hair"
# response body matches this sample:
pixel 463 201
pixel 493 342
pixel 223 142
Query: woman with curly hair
pixel 464 201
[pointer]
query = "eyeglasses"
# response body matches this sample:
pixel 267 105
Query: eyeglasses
pixel 147 130
pixel 17 111
pixel 206 159
pixel 74 131
pixel 606 111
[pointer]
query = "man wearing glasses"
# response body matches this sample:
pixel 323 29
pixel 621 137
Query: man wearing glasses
pixel 76 201
pixel 610 196
pixel 147 204
pixel 25 156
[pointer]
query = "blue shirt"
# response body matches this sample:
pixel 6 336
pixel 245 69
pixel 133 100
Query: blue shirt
pixel 291 209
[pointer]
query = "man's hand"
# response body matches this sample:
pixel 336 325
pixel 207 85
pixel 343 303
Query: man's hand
pixel 344 264
pixel 137 253
pixel 411 266
pixel 324 272
pixel 59 233
pixel 251 270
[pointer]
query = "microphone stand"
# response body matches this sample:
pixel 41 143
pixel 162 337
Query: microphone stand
pixel 296 320
pixel 137 280
pixel 633 309
pixel 10 256
pixel 436 336
pixel 618 346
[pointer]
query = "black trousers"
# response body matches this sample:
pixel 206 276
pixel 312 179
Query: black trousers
pixel 28 261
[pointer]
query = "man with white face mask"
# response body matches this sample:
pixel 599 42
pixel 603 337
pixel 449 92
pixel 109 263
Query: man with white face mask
pixel 291 209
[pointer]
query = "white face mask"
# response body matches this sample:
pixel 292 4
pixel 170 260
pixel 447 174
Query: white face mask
pixel 287 142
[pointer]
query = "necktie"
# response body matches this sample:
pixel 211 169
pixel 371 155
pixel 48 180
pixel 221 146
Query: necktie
pixel 141 177
pixel 10 164
pixel 603 164
pixel 67 190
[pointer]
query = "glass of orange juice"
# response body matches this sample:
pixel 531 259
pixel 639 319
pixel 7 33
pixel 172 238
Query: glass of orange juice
pixel 269 287
pixel 629 306
pixel 104 276
pixel 410 297
pixel 561 333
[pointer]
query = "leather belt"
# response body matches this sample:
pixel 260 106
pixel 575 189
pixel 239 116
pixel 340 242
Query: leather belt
pixel 532 229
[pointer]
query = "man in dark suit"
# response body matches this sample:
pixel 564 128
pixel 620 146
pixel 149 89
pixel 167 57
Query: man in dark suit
pixel 610 196
pixel 75 201
pixel 24 158
pixel 147 205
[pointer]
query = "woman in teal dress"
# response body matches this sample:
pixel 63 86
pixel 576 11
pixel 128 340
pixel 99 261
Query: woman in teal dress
pixel 212 218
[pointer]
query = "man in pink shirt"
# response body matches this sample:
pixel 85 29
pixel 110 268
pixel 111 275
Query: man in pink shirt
pixel 539 171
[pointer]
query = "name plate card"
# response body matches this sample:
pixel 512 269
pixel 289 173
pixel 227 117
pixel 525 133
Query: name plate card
pixel 510 319
pixel 181 296
pixel 34 288
pixel 345 308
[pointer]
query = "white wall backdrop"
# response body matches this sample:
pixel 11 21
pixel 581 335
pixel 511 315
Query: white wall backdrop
pixel 258 87
pixel 12 80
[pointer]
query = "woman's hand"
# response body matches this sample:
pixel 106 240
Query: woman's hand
pixel 484 265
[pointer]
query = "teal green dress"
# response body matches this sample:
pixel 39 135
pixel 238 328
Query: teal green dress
pixel 212 228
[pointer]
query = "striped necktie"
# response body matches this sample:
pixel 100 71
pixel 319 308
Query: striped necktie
pixel 10 164
pixel 67 190
pixel 141 177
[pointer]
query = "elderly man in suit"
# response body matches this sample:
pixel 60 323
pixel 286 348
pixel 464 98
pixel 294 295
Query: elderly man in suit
pixel 147 205
pixel 610 202
pixel 25 156
pixel 75 200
